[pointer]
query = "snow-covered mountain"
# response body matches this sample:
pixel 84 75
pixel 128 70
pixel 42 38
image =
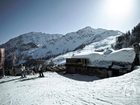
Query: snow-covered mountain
pixel 36 45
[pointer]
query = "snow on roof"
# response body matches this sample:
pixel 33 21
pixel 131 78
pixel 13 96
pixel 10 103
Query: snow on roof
pixel 125 55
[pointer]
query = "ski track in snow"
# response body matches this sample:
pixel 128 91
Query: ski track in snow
pixel 57 89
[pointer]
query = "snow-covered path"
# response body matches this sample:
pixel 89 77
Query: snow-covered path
pixel 56 89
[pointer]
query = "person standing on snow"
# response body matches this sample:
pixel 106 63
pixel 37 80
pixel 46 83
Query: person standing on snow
pixel 23 71
pixel 40 70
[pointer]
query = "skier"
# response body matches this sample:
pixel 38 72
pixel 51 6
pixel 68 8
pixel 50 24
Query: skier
pixel 23 71
pixel 40 70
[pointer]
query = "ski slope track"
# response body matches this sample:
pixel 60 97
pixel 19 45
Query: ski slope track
pixel 71 89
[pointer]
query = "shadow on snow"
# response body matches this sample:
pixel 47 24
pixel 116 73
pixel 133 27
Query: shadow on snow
pixel 79 77
pixel 27 79
pixel 9 80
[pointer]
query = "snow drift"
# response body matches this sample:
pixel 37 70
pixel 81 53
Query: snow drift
pixel 126 55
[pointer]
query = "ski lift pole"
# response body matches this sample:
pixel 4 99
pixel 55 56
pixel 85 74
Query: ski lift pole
pixel 3 61
pixel 2 52
pixel 3 71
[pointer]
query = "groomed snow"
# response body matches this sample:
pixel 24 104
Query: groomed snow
pixel 56 89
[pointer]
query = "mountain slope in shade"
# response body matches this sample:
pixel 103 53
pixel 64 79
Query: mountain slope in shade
pixel 40 45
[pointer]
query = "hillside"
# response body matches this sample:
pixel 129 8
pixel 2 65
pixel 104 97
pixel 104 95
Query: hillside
pixel 102 47
pixel 129 38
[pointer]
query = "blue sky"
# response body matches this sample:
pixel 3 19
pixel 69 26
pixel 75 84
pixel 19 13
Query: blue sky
pixel 63 16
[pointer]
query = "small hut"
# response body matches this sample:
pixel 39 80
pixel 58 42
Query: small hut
pixel 102 65
pixel 75 65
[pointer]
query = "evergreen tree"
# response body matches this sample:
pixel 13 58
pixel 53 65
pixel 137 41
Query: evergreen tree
pixel 129 38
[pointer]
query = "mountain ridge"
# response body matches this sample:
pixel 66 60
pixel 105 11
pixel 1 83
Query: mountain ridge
pixel 38 45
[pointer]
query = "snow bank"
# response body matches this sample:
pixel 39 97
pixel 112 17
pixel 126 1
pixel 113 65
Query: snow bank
pixel 126 55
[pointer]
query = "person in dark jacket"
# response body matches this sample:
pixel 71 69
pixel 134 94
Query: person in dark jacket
pixel 23 71
pixel 40 70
